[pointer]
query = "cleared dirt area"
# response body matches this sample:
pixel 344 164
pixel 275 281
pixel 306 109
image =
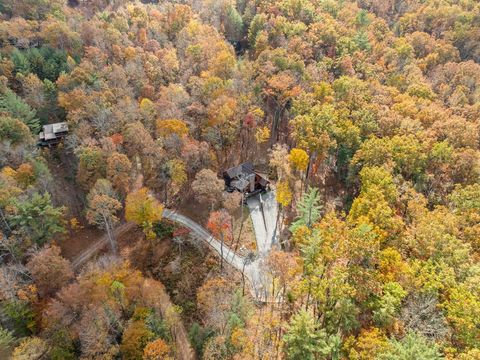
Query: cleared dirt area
pixel 65 191
pixel 193 209
pixel 78 240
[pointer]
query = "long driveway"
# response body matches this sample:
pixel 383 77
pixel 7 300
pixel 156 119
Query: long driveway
pixel 264 213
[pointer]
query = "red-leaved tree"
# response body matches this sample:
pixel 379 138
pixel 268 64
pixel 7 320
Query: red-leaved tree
pixel 220 224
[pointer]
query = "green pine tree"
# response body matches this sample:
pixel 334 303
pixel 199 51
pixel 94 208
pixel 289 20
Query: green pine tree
pixel 301 338
pixel 13 105
pixel 411 347
pixel 308 209
pixel 37 219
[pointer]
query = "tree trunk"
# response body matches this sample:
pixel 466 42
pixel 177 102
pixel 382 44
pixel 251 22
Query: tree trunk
pixel 279 226
pixel 110 235
pixel 280 209
pixel 308 170
pixel 273 294
pixel 303 178
pixel 232 226
pixel 257 324
pixel 277 114
pixel 309 167
pixel 308 295
pixel 5 221
pixel 309 222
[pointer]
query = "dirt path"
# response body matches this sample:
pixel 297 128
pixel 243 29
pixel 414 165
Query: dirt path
pixel 99 245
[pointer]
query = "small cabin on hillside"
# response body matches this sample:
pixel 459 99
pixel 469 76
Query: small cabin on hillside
pixel 52 134
pixel 245 179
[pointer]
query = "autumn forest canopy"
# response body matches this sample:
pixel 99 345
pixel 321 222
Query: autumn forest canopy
pixel 364 115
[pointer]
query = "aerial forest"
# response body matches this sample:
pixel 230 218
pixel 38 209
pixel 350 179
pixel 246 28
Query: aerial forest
pixel 240 179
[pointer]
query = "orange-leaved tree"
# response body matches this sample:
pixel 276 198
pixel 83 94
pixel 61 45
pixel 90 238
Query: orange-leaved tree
pixel 156 350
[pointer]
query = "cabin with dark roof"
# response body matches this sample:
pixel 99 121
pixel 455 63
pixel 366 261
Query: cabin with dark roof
pixel 245 179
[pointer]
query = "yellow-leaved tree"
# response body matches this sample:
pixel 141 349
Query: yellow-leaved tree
pixel 284 198
pixel 169 127
pixel 298 159
pixel 284 193
pixel 143 209
pixel 262 134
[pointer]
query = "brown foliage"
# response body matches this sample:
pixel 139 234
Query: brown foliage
pixel 207 187
pixel 118 171
pixel 49 270
pixel 214 299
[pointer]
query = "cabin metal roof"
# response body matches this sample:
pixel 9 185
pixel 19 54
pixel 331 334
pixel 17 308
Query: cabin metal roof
pixel 237 171
pixel 50 131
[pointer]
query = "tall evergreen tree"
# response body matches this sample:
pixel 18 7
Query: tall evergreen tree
pixel 308 209
pixel 37 219
pixel 301 339
pixel 13 105
pixel 411 347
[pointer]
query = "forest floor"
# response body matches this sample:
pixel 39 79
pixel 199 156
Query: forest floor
pixel 78 240
pixel 65 191
pixel 101 242
pixel 182 269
